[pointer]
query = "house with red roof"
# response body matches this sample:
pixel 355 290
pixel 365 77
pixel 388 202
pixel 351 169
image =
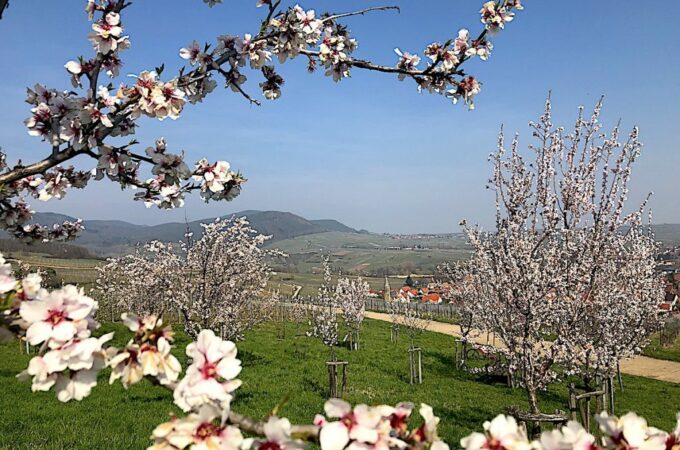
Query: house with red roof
pixel 432 298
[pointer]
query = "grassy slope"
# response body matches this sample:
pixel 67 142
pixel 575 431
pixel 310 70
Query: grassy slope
pixel 113 418
pixel 366 253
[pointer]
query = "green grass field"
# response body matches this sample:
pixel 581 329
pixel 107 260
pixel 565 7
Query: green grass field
pixel 113 418
pixel 656 350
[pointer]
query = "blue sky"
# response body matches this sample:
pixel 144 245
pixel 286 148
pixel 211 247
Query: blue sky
pixel 370 151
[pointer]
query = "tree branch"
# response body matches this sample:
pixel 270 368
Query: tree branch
pixel 3 5
pixel 19 172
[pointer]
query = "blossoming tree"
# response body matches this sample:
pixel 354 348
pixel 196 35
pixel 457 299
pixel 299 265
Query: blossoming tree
pixel 92 120
pixel 147 282
pixel 225 276
pixel 352 296
pixel 567 278
pixel 216 282
pixel 324 317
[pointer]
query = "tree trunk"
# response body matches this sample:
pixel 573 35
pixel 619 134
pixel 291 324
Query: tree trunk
pixel 534 429
pixel 533 400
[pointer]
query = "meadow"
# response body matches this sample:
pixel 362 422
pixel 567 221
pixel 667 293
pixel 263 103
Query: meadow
pixel 291 369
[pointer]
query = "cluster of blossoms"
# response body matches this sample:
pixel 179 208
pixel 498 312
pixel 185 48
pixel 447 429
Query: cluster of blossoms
pixel 146 354
pixel 211 377
pixel 107 32
pixel 445 58
pixel 15 214
pixel 60 322
pixel 496 14
pixel 323 40
pixel 218 181
pixel 200 430
pixel 378 427
pixel 628 431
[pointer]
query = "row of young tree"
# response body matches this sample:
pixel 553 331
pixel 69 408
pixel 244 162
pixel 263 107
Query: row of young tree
pixel 347 297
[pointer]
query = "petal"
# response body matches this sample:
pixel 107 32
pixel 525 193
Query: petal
pixel 38 332
pixel 229 368
pixel 336 408
pixel 277 430
pixel 334 436
pixel 63 331
pixel 33 311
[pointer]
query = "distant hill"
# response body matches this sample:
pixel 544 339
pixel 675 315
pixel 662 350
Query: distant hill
pixel 303 239
pixel 333 225
pixel 54 249
pixel 111 237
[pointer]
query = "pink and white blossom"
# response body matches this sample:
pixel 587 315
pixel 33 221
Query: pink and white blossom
pixel 211 377
pixel 57 316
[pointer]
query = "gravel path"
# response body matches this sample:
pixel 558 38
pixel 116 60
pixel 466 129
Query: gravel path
pixel 642 366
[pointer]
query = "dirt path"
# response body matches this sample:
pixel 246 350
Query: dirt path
pixel 642 366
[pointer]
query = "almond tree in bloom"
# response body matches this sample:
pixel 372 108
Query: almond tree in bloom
pixel 98 118
pixel 216 282
pixel 225 275
pixel 324 317
pixel 565 260
pixel 147 282
pixel 69 360
pixel 462 296
pixel 352 296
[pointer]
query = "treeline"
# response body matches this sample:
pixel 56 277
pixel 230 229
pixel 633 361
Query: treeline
pixel 56 249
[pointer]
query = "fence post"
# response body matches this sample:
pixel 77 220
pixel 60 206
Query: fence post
pixel 333 378
pixel 415 365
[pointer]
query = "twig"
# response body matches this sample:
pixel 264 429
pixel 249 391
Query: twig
pixel 361 12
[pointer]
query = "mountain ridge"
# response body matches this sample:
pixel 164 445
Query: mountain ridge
pixel 106 237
